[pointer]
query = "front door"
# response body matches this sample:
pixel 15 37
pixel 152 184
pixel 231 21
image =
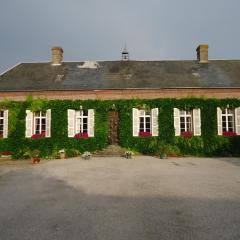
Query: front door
pixel 113 120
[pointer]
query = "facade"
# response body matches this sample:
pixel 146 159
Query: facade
pixel 185 107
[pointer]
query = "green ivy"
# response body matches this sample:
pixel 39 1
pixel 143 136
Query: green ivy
pixel 209 144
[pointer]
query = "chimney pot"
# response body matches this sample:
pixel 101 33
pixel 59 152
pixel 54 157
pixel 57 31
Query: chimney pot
pixel 57 56
pixel 202 53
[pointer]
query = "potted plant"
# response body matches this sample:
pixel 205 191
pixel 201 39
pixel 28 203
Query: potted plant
pixel 128 154
pixel 163 148
pixel 62 154
pixel 86 155
pixel 35 156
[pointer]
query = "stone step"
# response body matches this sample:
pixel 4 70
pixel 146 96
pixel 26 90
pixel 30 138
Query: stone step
pixel 111 150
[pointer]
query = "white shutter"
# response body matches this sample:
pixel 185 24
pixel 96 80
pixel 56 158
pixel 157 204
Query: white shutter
pixel 177 121
pixel 237 120
pixel 48 123
pixel 197 122
pixel 5 124
pixel 219 120
pixel 71 123
pixel 91 122
pixel 135 123
pixel 154 116
pixel 29 124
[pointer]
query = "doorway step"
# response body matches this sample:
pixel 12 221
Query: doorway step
pixel 111 150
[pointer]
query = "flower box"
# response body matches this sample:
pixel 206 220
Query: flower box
pixel 6 154
pixel 39 135
pixel 187 134
pixel 81 135
pixel 229 134
pixel 145 134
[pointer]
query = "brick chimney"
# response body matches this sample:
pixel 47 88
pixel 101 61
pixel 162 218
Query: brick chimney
pixel 202 53
pixel 57 56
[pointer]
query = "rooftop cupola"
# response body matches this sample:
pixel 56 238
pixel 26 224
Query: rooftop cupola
pixel 125 54
pixel 202 53
pixel 57 56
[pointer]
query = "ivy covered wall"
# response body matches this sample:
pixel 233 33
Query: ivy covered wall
pixel 209 144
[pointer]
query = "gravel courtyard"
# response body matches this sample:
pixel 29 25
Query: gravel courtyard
pixel 118 199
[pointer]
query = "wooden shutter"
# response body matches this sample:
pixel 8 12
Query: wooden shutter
pixel 219 121
pixel 5 124
pixel 177 121
pixel 154 118
pixel 91 122
pixel 48 123
pixel 197 122
pixel 29 124
pixel 135 122
pixel 237 120
pixel 71 123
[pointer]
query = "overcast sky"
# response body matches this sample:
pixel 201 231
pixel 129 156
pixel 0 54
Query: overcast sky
pixel 98 29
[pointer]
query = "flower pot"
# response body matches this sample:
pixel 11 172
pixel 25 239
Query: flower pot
pixel 62 155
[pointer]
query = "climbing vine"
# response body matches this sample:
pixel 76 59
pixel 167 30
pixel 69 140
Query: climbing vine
pixel 208 144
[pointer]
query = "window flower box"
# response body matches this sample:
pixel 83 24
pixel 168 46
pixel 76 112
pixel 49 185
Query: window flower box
pixel 229 134
pixel 39 135
pixel 81 135
pixel 145 134
pixel 6 154
pixel 187 134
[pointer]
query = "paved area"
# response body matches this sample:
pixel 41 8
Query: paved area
pixel 118 199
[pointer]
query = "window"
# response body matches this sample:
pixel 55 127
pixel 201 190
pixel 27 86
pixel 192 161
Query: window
pixel 39 122
pixel 228 121
pixel 187 122
pixel 82 121
pixel 145 122
pixel 1 123
pixel 4 124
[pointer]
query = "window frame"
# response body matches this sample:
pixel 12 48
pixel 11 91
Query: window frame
pixel 145 116
pixel 2 118
pixel 79 116
pixel 42 116
pixel 226 114
pixel 184 114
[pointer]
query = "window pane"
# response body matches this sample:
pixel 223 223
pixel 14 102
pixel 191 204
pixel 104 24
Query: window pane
pixel 85 112
pixel 189 126
pixel 141 112
pixel 1 113
pixel 37 122
pixel 37 114
pixel 148 125
pixel 148 119
pixel 182 112
pixel 224 111
pixel 85 120
pixel 230 111
pixel 43 114
pixel 224 118
pixel 182 120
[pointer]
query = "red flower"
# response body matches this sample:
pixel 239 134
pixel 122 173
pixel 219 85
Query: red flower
pixel 229 134
pixel 6 153
pixel 186 134
pixel 145 134
pixel 81 135
pixel 39 135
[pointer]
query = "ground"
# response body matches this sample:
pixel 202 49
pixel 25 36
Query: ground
pixel 144 198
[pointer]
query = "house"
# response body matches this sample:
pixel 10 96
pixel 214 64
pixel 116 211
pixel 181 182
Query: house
pixel 192 107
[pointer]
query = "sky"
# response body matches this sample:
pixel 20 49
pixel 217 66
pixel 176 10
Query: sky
pixel 98 29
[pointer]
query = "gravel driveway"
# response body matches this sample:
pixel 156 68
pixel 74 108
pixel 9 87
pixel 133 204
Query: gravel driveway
pixel 114 198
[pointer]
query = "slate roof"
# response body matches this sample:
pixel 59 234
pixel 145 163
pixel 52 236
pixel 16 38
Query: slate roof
pixel 122 75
